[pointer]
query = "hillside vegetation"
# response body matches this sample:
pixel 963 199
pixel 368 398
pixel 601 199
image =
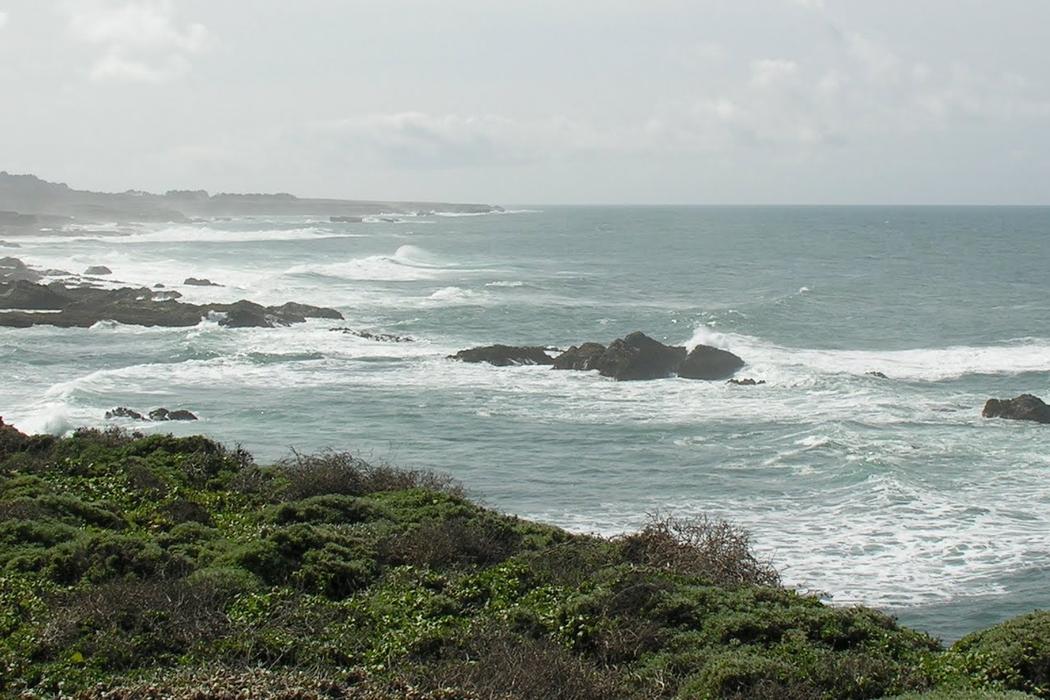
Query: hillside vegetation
pixel 139 567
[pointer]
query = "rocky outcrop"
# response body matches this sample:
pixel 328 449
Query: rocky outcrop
pixel 124 412
pixel 583 357
pixel 82 307
pixel 706 362
pixel 200 282
pixel 1023 407
pixel 746 382
pixel 505 355
pixel 163 414
pixel 637 356
pixel 876 374
pixel 27 295
pixel 98 270
pixel 14 270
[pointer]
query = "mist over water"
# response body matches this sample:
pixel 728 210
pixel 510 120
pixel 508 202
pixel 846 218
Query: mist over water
pixel 890 492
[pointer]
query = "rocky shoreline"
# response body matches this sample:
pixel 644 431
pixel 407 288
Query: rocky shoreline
pixel 25 301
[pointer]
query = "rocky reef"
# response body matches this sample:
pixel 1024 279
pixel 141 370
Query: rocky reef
pixel 631 358
pixel 25 301
pixel 1023 407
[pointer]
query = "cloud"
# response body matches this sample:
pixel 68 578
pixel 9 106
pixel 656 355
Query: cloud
pixel 141 40
pixel 423 140
pixel 3 20
pixel 772 71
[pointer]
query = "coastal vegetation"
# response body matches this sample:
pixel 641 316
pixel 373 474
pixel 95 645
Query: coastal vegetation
pixel 152 566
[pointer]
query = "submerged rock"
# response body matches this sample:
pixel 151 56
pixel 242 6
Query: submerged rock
pixel 378 337
pixel 98 270
pixel 637 356
pixel 877 375
pixel 200 282
pixel 583 357
pixel 706 362
pixel 746 382
pixel 505 355
pixel 1023 407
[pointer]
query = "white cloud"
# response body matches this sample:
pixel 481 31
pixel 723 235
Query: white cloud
pixel 772 71
pixel 141 39
pixel 3 19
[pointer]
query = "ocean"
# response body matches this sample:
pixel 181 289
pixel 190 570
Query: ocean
pixel 891 492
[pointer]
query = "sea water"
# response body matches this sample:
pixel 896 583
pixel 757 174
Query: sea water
pixel 887 492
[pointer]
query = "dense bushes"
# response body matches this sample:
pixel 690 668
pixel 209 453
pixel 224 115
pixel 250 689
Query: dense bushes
pixel 135 566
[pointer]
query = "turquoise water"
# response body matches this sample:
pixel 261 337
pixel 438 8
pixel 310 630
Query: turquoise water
pixel 893 493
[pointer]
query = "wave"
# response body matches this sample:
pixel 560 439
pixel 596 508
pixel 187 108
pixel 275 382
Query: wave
pixel 919 364
pixel 511 284
pixel 408 263
pixel 458 295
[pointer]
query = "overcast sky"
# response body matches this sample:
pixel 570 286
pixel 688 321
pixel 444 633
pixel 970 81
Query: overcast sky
pixel 535 101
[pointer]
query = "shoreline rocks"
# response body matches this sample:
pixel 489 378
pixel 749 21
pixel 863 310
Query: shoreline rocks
pixel 505 355
pixel 157 415
pixel 706 362
pixel 1023 407
pixel 635 357
pixel 83 307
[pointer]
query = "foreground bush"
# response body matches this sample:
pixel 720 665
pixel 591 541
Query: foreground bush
pixel 157 567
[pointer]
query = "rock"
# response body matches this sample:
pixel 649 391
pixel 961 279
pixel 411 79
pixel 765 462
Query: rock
pixel 1023 407
pixel 583 357
pixel 200 282
pixel 181 414
pixel 746 382
pixel 158 285
pixel 706 362
pixel 21 294
pixel 159 414
pixel 877 375
pixel 124 412
pixel 504 355
pixel 293 309
pixel 82 307
pixel 637 356
pixel 10 263
pixel 378 337
pixel 98 270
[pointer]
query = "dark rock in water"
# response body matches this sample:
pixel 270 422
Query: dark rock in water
pixel 378 337
pixel 706 362
pixel 583 357
pixel 158 285
pixel 163 414
pixel 504 355
pixel 746 382
pixel 345 219
pixel 82 307
pixel 200 282
pixel 98 270
pixel 637 356
pixel 247 314
pixel 12 263
pixel 21 294
pixel 181 414
pixel 877 375
pixel 1023 407
pixel 292 308
pixel 124 412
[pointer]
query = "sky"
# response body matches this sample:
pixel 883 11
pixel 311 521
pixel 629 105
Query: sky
pixel 535 101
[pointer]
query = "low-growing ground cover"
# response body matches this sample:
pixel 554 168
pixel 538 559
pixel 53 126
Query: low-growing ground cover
pixel 152 566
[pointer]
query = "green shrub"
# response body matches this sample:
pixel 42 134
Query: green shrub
pixel 1014 655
